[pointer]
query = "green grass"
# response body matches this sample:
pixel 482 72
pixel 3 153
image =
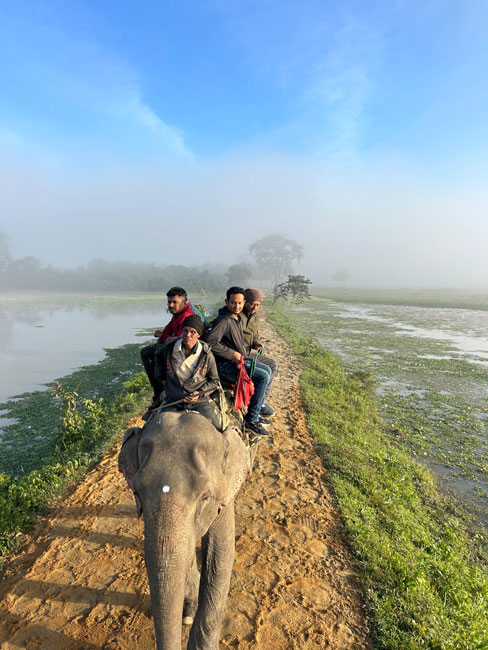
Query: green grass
pixel 425 580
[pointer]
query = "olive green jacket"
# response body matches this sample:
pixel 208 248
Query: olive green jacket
pixel 250 328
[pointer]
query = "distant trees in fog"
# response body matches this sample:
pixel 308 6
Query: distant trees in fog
pixel 342 275
pixel 270 261
pixel 101 275
pixel 274 256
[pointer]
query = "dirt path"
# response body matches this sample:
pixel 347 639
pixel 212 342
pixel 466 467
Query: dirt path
pixel 80 582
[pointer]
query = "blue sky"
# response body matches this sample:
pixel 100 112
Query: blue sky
pixel 357 128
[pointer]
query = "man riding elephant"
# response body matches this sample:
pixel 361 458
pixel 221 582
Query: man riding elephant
pixel 250 328
pixel 226 341
pixel 185 367
pixel 180 307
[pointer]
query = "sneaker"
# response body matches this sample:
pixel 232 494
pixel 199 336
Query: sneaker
pixel 264 420
pixel 257 428
pixel 267 411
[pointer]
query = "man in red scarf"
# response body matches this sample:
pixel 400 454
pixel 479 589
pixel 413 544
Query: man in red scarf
pixel 180 307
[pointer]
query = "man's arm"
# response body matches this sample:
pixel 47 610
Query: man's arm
pixel 256 344
pixel 167 332
pixel 213 381
pixel 214 338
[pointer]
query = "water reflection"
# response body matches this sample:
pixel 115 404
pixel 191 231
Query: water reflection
pixel 44 336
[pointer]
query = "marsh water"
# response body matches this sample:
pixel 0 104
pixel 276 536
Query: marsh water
pixel 431 365
pixel 90 343
pixel 46 336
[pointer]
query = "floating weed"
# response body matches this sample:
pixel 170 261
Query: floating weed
pixel 428 390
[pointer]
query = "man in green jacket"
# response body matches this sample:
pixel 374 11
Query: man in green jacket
pixel 250 327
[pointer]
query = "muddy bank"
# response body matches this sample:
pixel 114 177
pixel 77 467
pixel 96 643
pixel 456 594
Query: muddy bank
pixel 80 583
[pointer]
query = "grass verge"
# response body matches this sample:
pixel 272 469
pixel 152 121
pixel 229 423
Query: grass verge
pixel 425 579
pixel 58 435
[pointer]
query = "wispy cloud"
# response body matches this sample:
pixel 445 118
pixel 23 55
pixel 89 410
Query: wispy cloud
pixel 89 89
pixel 145 116
pixel 323 59
pixel 9 138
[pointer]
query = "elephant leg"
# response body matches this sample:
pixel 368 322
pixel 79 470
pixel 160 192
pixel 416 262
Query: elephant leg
pixel 191 594
pixel 218 547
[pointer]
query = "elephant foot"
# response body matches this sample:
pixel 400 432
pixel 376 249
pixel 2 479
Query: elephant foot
pixel 187 620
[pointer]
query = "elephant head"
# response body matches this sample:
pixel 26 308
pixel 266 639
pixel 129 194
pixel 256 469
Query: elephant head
pixel 184 475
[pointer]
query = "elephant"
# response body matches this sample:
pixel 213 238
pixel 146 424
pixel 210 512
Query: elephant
pixel 184 475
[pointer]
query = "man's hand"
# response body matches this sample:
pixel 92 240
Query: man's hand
pixel 237 357
pixel 158 333
pixel 192 397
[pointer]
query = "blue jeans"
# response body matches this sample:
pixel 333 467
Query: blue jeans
pixel 260 379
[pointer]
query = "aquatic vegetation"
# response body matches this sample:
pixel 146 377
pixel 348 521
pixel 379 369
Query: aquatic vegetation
pixel 29 441
pixel 86 429
pixel 424 575
pixel 431 380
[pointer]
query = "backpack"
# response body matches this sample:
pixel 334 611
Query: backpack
pixel 199 311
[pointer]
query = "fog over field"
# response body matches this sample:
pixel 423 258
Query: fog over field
pixel 357 129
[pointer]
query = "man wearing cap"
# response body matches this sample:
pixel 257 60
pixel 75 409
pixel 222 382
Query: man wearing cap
pixel 250 328
pixel 180 307
pixel 186 368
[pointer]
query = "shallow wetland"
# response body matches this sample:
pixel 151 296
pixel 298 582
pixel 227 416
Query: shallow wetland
pixel 431 369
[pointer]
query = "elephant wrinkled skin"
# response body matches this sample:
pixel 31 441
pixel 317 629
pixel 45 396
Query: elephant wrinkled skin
pixel 185 475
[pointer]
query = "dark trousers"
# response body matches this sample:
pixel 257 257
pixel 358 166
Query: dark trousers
pixel 260 379
pixel 147 356
pixel 273 366
pixel 203 408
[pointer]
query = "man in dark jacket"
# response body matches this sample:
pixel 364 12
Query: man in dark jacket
pixel 180 307
pixel 226 339
pixel 250 328
pixel 185 367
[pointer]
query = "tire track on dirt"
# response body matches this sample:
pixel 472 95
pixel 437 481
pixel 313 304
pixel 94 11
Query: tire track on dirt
pixel 79 582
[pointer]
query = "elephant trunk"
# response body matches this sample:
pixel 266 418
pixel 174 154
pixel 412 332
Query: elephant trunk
pixel 168 562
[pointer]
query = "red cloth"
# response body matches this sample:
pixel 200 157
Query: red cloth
pixel 243 389
pixel 175 325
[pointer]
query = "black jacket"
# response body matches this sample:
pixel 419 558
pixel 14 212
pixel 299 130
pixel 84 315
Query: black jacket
pixel 205 378
pixel 226 336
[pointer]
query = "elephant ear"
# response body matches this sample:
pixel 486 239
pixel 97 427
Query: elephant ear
pixel 129 461
pixel 236 463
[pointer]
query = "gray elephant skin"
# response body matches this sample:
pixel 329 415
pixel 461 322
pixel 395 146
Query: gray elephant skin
pixel 184 475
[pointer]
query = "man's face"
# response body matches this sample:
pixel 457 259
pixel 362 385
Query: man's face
pixel 176 304
pixel 235 303
pixel 190 336
pixel 252 307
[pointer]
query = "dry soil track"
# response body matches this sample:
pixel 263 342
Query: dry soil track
pixel 79 582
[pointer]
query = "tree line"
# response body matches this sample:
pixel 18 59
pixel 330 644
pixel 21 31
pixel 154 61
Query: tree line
pixel 270 260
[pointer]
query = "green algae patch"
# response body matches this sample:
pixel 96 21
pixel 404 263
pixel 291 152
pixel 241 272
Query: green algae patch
pixel 54 436
pixel 425 577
